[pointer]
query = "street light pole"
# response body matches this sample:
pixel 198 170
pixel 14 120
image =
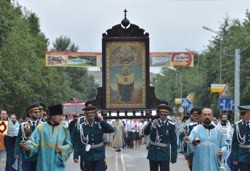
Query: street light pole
pixel 237 85
pixel 176 71
pixel 209 29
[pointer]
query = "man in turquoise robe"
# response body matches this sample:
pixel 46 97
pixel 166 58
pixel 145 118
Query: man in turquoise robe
pixel 207 143
pixel 51 142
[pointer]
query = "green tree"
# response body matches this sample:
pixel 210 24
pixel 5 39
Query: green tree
pixel 24 78
pixel 81 83
pixel 63 43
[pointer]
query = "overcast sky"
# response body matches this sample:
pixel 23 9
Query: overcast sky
pixel 173 25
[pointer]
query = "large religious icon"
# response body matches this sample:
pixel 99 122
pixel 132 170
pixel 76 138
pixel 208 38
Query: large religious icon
pixel 125 74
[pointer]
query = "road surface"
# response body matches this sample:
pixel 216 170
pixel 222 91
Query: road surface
pixel 130 160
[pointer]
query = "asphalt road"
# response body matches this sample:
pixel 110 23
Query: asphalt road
pixel 130 160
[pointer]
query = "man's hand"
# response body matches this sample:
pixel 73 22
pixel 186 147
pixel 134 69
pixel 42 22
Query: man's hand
pixel 186 155
pixel 100 118
pixel 173 161
pixel 154 123
pixel 25 147
pixel 219 152
pixel 58 149
pixel 16 156
pixel 76 160
pixel 186 139
pixel 235 162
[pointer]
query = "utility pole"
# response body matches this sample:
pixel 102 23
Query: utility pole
pixel 237 85
pixel 220 57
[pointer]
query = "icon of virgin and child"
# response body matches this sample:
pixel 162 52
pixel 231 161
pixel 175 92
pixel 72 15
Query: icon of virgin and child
pixel 126 78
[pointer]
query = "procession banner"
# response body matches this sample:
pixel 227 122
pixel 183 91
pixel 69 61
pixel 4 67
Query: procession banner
pixel 160 59
pixel 93 59
pixel 72 59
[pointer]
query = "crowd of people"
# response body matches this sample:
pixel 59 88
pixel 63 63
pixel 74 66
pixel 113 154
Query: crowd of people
pixel 46 138
pixel 208 144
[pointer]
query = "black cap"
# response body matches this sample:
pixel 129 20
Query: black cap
pixel 41 106
pixel 55 110
pixel 200 109
pixel 34 106
pixel 243 109
pixel 195 109
pixel 163 107
pixel 89 108
pixel 164 102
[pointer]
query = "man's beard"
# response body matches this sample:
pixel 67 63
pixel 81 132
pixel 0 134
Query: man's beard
pixel 33 118
pixel 207 121
pixel 224 121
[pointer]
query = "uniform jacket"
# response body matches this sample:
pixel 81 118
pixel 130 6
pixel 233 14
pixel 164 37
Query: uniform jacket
pixel 75 129
pixel 167 136
pixel 18 150
pixel 94 132
pixel 238 153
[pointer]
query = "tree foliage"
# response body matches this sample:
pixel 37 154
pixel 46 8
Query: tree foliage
pixel 24 78
pixel 232 35
pixel 81 83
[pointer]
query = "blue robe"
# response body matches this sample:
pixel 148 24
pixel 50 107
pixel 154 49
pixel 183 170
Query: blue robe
pixel 205 156
pixel 43 141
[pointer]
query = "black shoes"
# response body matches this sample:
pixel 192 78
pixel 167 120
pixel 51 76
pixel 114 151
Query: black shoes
pixel 118 150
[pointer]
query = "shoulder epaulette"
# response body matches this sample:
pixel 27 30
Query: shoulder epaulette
pixel 239 121
pixel 171 122
pixel 193 123
pixel 23 123
pixel 64 126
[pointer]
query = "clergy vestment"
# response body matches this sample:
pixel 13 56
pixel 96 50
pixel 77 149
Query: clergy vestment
pixel 43 141
pixel 118 134
pixel 205 156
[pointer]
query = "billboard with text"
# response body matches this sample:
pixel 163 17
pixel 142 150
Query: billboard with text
pixel 93 59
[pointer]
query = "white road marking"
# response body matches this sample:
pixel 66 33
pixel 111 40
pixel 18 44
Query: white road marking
pixel 123 163
pixel 116 162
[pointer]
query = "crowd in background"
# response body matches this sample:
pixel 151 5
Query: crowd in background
pixel 128 133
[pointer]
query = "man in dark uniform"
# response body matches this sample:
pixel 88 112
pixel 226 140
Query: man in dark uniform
pixel 76 125
pixel 25 130
pixel 194 117
pixel 42 109
pixel 89 143
pixel 72 124
pixel 162 135
pixel 241 140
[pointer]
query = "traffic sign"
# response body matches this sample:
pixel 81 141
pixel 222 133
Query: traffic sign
pixel 226 92
pixel 217 88
pixel 226 103
pixel 185 103
pixel 189 108
pixel 177 100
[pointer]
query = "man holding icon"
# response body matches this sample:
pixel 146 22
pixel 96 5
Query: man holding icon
pixel 89 143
